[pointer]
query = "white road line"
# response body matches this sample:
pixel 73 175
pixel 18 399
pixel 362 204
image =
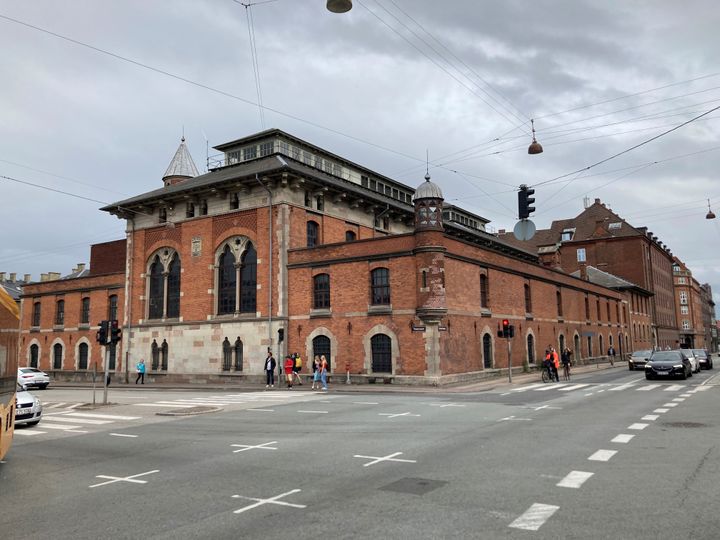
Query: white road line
pixel 113 479
pixel 622 387
pixel 638 426
pixel 55 405
pixel 166 405
pixel 679 399
pixel 526 388
pixel 589 394
pixel 272 500
pixel 261 410
pixel 28 433
pixel 685 395
pixel 102 416
pixel 574 479
pixel 204 403
pixel 623 438
pixel 660 411
pixel 573 387
pixel 647 387
pixel 702 388
pixel 602 455
pixel 389 457
pixel 123 435
pixel 365 403
pixel 650 417
pixel 76 405
pixel 79 420
pixel 549 386
pixel 534 517
pixel 669 404
pixel 674 388
pixel 313 412
pixel 62 427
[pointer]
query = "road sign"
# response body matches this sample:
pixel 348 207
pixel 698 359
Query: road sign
pixel 524 230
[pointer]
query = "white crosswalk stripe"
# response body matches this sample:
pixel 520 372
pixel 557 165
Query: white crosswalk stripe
pixel 633 385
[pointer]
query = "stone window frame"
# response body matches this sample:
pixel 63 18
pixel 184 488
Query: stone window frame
pixel 60 312
pixel 394 347
pixel 36 313
pixel 83 341
pixel 53 348
pixel 238 246
pixel 165 256
pixel 85 305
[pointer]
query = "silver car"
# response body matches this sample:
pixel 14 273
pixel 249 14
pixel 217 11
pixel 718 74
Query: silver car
pixel 694 360
pixel 28 409
pixel 30 376
pixel 638 359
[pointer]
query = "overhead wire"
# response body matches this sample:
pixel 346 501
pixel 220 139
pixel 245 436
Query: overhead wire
pixel 254 56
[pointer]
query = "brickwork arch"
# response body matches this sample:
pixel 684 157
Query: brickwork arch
pixel 80 341
pixel 367 346
pixel 28 355
pixel 57 341
pixel 531 340
pixel 321 331
pixel 484 364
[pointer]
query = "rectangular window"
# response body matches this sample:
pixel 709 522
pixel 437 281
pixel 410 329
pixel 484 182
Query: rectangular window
pixel 321 291
pixel 567 235
pixel 234 201
pixel 614 226
pixel 203 207
pixel 112 307
pixel 60 313
pixel 320 203
pixel 36 314
pixel 85 311
pixel 318 162
pixel 395 194
pixel 684 310
pixel 380 287
pixel 364 180
pixel 328 166
pixel 233 157
pixel 484 291
pixel 373 185
pixel 528 299
pixel 266 149
pixel 295 153
pixel 686 324
pixel 249 152
pixel 307 158
pixel 581 255
pixel 683 297
pixel 284 148
pixel 190 210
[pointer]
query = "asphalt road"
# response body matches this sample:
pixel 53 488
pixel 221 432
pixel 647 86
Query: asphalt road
pixel 606 455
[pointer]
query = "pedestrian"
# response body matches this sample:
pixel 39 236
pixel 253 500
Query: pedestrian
pixel 554 362
pixel 566 362
pixel 289 365
pixel 297 367
pixel 316 372
pixel 140 366
pixel 270 370
pixel 612 355
pixel 323 372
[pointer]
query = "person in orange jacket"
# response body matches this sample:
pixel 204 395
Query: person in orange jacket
pixel 552 357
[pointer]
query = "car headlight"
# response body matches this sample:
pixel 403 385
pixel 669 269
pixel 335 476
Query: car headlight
pixel 678 366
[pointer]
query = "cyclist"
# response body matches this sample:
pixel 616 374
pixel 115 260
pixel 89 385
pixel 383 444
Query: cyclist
pixel 566 363
pixel 549 364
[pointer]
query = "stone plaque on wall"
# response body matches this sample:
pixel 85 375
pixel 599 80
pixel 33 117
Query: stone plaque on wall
pixel 196 247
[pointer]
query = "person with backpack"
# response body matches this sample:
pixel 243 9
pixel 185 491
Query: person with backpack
pixel 297 367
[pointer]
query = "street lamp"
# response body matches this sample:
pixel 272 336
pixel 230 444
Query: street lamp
pixel 339 6
pixel 535 147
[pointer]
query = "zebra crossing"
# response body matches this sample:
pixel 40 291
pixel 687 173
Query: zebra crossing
pixel 567 387
pixel 66 419
pixel 277 397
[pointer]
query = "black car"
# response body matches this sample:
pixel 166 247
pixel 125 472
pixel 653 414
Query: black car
pixel 704 357
pixel 666 364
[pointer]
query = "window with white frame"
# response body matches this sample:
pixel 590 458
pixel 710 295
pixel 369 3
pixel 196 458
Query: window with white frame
pixel 567 235
pixel 684 310
pixel 683 298
pixel 686 324
pixel 581 255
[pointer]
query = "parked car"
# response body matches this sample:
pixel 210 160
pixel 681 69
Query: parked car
pixel 694 360
pixel 665 364
pixel 639 359
pixel 29 377
pixel 28 409
pixel 704 357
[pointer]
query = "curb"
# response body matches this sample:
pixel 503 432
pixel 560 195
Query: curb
pixel 190 412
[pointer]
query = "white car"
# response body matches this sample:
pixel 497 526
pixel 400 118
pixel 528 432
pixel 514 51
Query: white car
pixel 694 360
pixel 30 376
pixel 28 409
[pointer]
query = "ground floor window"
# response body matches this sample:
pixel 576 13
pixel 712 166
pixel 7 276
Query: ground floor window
pixel 34 355
pixel 321 346
pixel 83 356
pixel 381 353
pixel 57 356
pixel 531 349
pixel 487 352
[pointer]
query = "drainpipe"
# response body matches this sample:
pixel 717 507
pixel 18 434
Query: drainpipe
pixel 270 259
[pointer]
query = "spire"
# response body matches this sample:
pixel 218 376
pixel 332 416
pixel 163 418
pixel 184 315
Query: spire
pixel 181 167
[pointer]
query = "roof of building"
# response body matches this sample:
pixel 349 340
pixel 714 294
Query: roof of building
pixel 182 163
pixel 428 190
pixel 608 280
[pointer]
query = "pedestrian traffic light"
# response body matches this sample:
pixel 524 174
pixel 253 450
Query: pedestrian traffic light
pixel 115 331
pixel 281 335
pixel 524 201
pixel 102 333
pixel 506 328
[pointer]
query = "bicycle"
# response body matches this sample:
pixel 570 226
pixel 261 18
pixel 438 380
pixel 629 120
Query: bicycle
pixel 547 376
pixel 566 372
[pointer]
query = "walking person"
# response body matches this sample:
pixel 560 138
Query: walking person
pixel 316 372
pixel 270 370
pixel 289 365
pixel 323 372
pixel 611 355
pixel 297 367
pixel 140 366
pixel 566 363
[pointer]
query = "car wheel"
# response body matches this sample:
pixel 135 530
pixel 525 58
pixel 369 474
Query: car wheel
pixel 35 423
pixel 630 366
pixel 43 386
pixel 648 376
pixel 684 375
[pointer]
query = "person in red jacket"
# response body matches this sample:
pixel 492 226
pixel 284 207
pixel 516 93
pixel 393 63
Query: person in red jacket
pixel 289 365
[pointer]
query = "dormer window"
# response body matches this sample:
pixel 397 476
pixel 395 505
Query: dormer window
pixel 190 210
pixel 203 207
pixel 162 218
pixel 234 201
pixel 567 235
pixel 615 226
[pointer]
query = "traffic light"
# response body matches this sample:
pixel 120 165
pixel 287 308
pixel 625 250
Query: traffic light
pixel 102 333
pixel 115 332
pixel 281 335
pixel 524 201
pixel 506 328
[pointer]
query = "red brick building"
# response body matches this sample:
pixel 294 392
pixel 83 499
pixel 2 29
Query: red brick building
pixel 60 315
pixel 284 245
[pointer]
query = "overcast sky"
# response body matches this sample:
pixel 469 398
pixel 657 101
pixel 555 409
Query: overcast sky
pixel 379 85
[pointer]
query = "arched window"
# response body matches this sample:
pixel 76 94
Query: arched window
pixel 578 350
pixel 164 355
pixel 227 282
pixel 558 300
pixel 601 342
pixel 112 356
pixel 561 340
pixel 85 311
pixel 350 236
pixel 248 281
pixel 424 279
pixel 381 353
pixel 321 346
pixel 484 302
pixel 155 355
pixel 83 356
pixel 164 285
pixel 321 291
pixel 34 355
pixel 36 314
pixel 238 354
pixel 312 233
pixel 60 313
pixel 173 289
pixel 587 308
pixel 589 346
pixel 487 352
pixel 112 307
pixel 380 286
pixel 531 349
pixel 528 299
pixel 57 356
pixel 227 354
pixel 155 298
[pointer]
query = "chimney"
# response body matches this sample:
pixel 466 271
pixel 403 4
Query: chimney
pixel 597 201
pixel 501 232
pixel 13 275
pixel 2 276
pixel 80 267
pixel 583 271
pixel 43 277
pixel 52 276
pixel 27 278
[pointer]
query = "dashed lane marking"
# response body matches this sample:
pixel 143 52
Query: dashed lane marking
pixel 574 479
pixel 166 405
pixel 679 399
pixel 670 404
pixel 638 426
pixel 62 427
pixel 124 435
pixel 650 417
pixel 534 517
pixel 647 387
pixel 313 412
pixel 622 387
pixel 602 455
pixel 26 433
pixel 661 411
pixel 262 410
pixel 674 388
pixel 573 387
pixel 623 438
pixel 89 421
pixel 366 403
pixel 395 415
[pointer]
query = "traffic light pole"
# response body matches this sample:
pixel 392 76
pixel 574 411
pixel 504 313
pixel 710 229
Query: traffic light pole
pixel 107 373
pixel 509 351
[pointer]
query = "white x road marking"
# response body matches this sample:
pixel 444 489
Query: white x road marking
pixel 389 457
pixel 272 500
pixel 391 415
pixel 113 479
pixel 263 446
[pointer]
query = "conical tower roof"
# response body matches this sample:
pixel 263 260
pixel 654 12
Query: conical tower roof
pixel 181 166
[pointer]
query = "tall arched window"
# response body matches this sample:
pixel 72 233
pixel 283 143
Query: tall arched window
pixel 236 277
pixel 321 291
pixel 487 352
pixel 248 281
pixel 381 353
pixel 531 349
pixel 60 313
pixel 602 345
pixel 484 302
pixel 312 233
pixel 57 356
pixel 34 355
pixel 380 286
pixel 83 356
pixel 155 355
pixel 85 311
pixel 578 351
pixel 227 354
pixel 321 346
pixel 164 355
pixel 589 346
pixel 164 285
pixel 528 299
pixel 36 314
pixel 238 349
pixel 587 308
pixel 561 340
pixel 227 282
pixel 558 300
